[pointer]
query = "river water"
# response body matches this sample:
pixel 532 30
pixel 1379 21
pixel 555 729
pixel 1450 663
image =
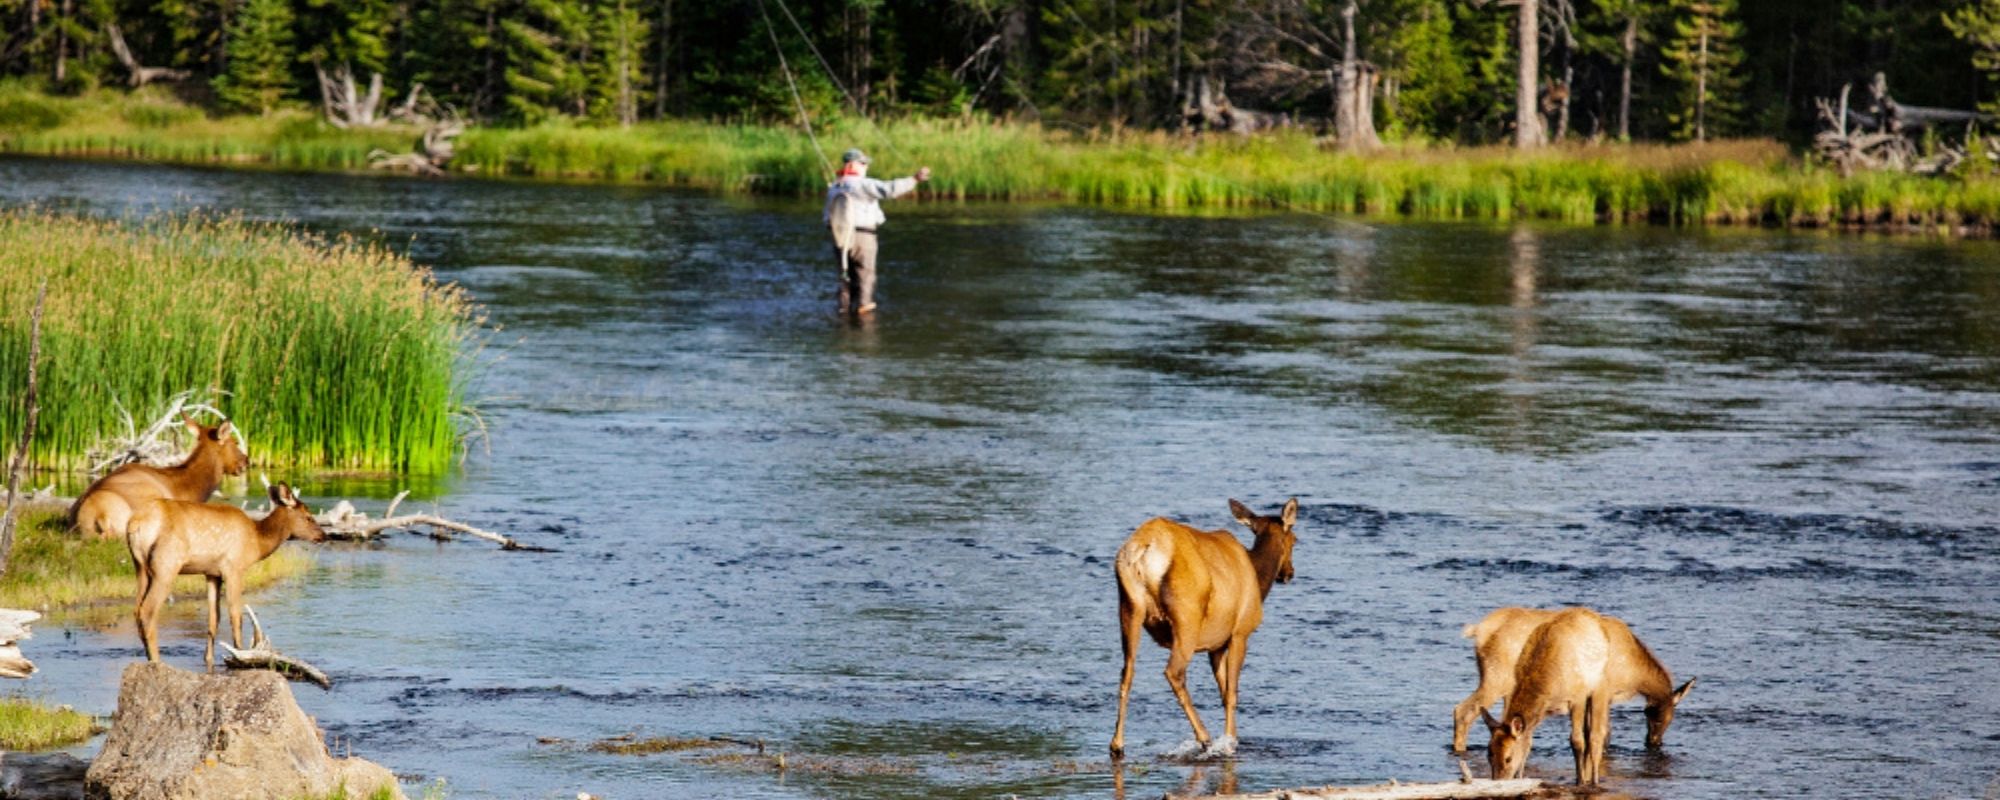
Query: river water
pixel 885 549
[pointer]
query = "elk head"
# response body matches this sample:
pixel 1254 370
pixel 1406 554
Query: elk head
pixel 222 441
pixel 1274 540
pixel 1658 717
pixel 1507 751
pixel 291 517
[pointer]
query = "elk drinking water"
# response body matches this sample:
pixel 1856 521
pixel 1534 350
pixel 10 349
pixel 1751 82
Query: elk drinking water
pixel 219 542
pixel 1198 591
pixel 1497 642
pixel 1579 663
pixel 106 507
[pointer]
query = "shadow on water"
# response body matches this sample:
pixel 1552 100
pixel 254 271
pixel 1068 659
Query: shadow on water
pixel 886 546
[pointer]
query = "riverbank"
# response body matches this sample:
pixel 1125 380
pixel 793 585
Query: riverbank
pixel 52 570
pixel 325 353
pixel 1755 182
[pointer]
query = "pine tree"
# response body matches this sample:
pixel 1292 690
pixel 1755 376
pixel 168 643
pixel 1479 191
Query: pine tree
pixel 1703 59
pixel 1978 24
pixel 547 53
pixel 618 76
pixel 258 75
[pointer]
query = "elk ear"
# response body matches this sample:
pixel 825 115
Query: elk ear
pixel 1515 725
pixel 192 426
pixel 1491 723
pixel 224 430
pixel 1291 512
pixel 282 495
pixel 1682 692
pixel 1243 514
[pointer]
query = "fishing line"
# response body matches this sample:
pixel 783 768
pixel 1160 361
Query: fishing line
pixel 805 120
pixel 852 103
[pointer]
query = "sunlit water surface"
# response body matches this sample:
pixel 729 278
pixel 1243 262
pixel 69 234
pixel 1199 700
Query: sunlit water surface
pixel 885 549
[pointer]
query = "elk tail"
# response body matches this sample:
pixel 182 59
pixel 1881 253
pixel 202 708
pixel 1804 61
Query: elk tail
pixel 1141 565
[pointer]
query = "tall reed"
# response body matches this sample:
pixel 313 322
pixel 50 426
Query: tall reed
pixel 327 353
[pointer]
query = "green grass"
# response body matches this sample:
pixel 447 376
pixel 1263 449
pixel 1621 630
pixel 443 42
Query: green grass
pixel 326 353
pixel 30 725
pixel 52 569
pixel 1738 182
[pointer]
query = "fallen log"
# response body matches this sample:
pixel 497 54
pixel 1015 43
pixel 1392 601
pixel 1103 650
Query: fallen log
pixel 14 628
pixel 261 655
pixel 342 521
pixel 1394 790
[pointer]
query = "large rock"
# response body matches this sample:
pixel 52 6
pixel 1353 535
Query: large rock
pixel 183 736
pixel 54 776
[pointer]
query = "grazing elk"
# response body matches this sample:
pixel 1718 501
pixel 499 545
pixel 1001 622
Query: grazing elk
pixel 1578 663
pixel 216 541
pixel 106 507
pixel 1198 591
pixel 1498 639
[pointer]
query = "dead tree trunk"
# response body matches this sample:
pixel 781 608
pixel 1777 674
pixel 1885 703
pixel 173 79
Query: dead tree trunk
pixel 138 75
pixel 1527 111
pixel 1631 43
pixel 345 105
pixel 1353 92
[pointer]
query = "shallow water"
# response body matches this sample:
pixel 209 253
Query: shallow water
pixel 885 549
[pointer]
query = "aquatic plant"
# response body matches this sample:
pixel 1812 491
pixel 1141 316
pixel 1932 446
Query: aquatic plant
pixel 327 353
pixel 31 725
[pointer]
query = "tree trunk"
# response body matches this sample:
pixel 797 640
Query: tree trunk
pixel 1353 95
pixel 1631 42
pixel 62 42
pixel 660 66
pixel 1527 111
pixel 1701 86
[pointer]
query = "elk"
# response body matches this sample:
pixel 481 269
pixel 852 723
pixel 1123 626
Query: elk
pixel 106 507
pixel 217 541
pixel 1579 663
pixel 1497 641
pixel 1198 591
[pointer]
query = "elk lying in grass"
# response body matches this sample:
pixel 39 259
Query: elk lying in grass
pixel 1497 642
pixel 106 507
pixel 1198 591
pixel 216 541
pixel 1578 663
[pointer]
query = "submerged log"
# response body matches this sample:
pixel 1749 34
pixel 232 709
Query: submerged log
pixel 1402 791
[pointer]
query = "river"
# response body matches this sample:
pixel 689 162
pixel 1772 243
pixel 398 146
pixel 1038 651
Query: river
pixel 885 549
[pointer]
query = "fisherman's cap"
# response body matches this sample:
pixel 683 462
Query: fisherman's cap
pixel 852 155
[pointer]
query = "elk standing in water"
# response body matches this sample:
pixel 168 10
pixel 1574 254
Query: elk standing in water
pixel 1497 642
pixel 219 542
pixel 1198 591
pixel 106 507
pixel 1577 663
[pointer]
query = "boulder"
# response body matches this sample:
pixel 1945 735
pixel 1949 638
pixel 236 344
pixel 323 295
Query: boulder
pixel 53 776
pixel 179 735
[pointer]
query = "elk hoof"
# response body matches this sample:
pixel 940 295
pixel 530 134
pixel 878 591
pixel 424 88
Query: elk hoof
pixel 1117 752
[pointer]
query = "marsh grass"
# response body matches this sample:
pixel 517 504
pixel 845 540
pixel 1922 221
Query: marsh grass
pixel 329 353
pixel 31 725
pixel 1739 182
pixel 54 569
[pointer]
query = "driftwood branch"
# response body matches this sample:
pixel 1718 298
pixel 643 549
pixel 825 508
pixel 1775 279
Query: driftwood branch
pixel 14 628
pixel 261 655
pixel 8 516
pixel 1401 791
pixel 153 446
pixel 136 74
pixel 439 147
pixel 342 521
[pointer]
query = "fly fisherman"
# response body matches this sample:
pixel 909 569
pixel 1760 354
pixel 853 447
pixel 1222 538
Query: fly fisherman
pixel 853 212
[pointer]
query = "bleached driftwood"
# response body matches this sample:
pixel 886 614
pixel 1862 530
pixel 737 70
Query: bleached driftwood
pixel 261 655
pixel 153 446
pixel 343 521
pixel 13 629
pixel 138 75
pixel 439 147
pixel 1401 791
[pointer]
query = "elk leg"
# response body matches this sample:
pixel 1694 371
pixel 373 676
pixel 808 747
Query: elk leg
pixel 149 615
pixel 1218 662
pixel 1579 739
pixel 1598 734
pixel 1177 664
pixel 1482 697
pixel 1238 649
pixel 214 620
pixel 233 592
pixel 1128 624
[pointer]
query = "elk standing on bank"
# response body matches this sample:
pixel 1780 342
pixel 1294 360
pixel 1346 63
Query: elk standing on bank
pixel 1497 642
pixel 1577 663
pixel 106 508
pixel 219 542
pixel 1198 591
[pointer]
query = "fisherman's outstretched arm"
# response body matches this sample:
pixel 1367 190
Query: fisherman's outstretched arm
pixel 884 190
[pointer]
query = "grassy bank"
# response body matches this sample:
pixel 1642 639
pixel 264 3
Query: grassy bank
pixel 30 725
pixel 327 354
pixel 1730 182
pixel 52 569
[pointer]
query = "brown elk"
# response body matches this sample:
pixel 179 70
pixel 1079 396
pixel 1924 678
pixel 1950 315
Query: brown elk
pixel 1498 639
pixel 1578 663
pixel 216 541
pixel 106 507
pixel 1198 591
